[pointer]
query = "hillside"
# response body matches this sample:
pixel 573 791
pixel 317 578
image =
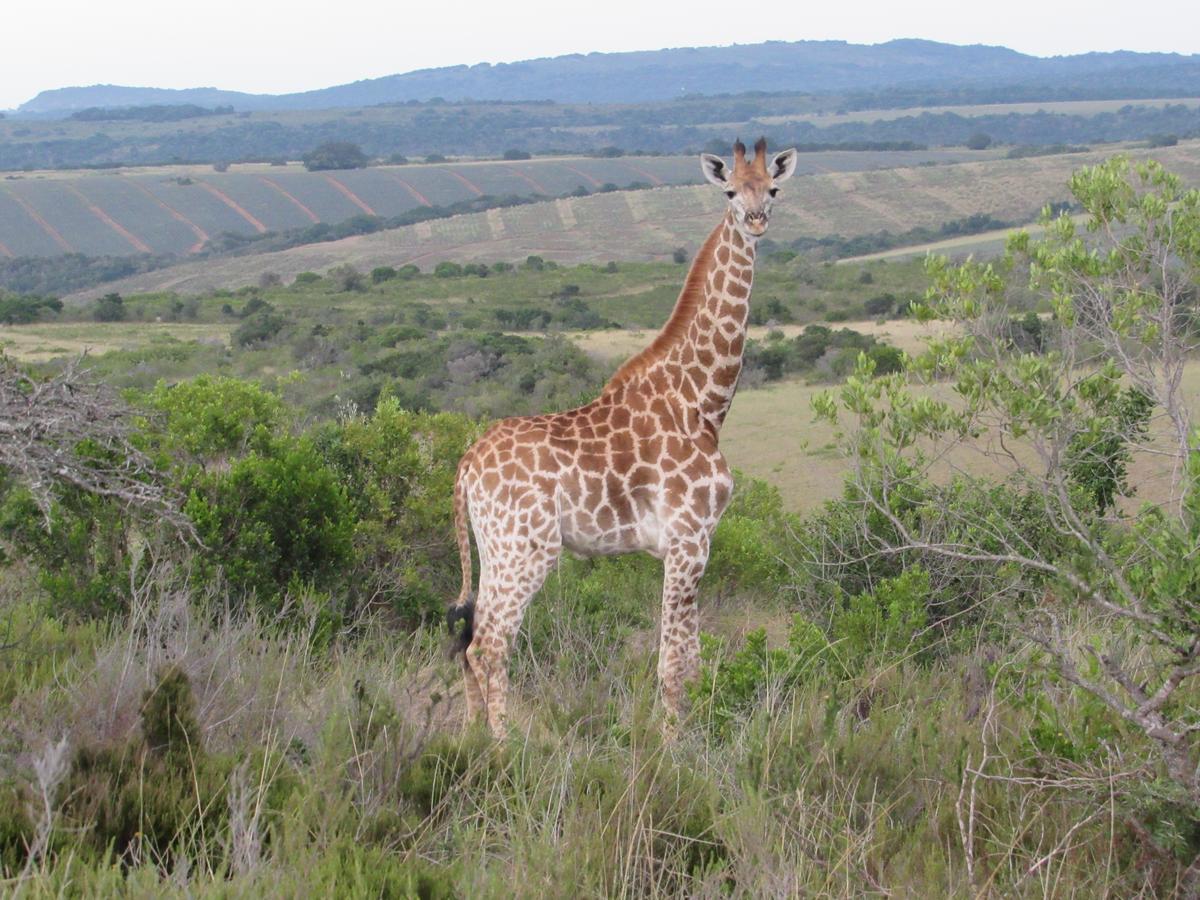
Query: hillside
pixel 811 66
pixel 179 209
pixel 639 225
pixel 184 209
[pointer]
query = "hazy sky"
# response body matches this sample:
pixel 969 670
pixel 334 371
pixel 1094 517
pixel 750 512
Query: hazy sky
pixel 267 46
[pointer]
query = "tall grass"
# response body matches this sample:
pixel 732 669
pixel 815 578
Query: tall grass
pixel 301 769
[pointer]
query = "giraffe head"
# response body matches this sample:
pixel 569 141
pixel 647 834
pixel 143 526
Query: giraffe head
pixel 750 186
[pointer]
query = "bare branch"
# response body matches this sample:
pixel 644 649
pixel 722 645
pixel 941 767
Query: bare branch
pixel 67 432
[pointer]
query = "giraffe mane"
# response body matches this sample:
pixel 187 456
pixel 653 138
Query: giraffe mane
pixel 691 298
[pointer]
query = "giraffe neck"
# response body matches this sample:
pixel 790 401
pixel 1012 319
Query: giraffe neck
pixel 696 359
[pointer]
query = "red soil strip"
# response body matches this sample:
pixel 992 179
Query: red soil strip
pixel 304 209
pixel 45 226
pixel 420 198
pixel 350 195
pixel 132 239
pixel 537 186
pixel 228 201
pixel 469 186
pixel 4 251
pixel 581 174
pixel 653 179
pixel 200 233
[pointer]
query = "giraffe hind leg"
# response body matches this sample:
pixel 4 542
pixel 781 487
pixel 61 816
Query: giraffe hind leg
pixel 499 612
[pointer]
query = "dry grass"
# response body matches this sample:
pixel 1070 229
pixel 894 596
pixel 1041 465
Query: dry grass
pixel 771 434
pixel 44 341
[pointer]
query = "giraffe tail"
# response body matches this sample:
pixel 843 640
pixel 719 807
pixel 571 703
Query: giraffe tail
pixel 464 608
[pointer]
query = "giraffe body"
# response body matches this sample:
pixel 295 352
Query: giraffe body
pixel 637 469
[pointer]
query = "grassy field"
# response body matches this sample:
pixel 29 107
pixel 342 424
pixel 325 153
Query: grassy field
pixel 49 340
pixel 640 225
pixel 771 434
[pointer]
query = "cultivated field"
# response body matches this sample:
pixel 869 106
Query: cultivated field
pixel 177 209
pixel 639 225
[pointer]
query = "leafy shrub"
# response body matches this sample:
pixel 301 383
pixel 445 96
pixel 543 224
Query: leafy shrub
pixel 258 328
pixel 18 310
pixel 272 521
pixel 335 155
pixel 211 417
pixel 346 278
pixel 884 622
pixel 110 308
pixel 749 544
pixel 397 470
pixel 731 682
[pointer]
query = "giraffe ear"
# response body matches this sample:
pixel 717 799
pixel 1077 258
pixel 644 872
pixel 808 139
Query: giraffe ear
pixel 783 165
pixel 713 168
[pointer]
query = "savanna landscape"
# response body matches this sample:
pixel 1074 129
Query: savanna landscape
pixel 950 622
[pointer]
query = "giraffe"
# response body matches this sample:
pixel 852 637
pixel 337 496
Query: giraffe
pixel 637 469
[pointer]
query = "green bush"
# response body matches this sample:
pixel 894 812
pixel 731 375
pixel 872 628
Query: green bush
pixel 397 470
pixel 749 546
pixel 83 551
pixel 258 328
pixel 885 622
pixel 212 417
pixel 731 682
pixel 273 520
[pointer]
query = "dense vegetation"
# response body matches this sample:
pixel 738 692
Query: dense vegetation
pixel 489 130
pixel 477 338
pixel 151 113
pixel 938 684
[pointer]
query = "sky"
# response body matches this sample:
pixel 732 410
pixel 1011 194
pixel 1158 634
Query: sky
pixel 268 46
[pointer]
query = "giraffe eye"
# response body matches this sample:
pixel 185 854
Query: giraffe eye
pixel 731 194
pixel 773 191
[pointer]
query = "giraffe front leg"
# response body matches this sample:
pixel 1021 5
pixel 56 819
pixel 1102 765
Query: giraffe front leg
pixel 679 639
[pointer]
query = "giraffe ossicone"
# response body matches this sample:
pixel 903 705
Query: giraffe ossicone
pixel 637 469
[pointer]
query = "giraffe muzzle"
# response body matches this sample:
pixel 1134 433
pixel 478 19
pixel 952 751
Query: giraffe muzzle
pixel 756 222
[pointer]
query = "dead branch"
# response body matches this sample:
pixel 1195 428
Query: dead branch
pixel 68 432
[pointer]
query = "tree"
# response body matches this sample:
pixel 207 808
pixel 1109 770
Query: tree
pixel 1112 602
pixel 979 141
pixel 513 154
pixel 335 155
pixel 110 308
pixel 346 278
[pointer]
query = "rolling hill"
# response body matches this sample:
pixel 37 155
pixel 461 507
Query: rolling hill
pixel 811 66
pixel 179 209
pixel 649 224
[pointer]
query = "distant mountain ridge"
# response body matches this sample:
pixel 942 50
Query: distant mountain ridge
pixel 640 76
